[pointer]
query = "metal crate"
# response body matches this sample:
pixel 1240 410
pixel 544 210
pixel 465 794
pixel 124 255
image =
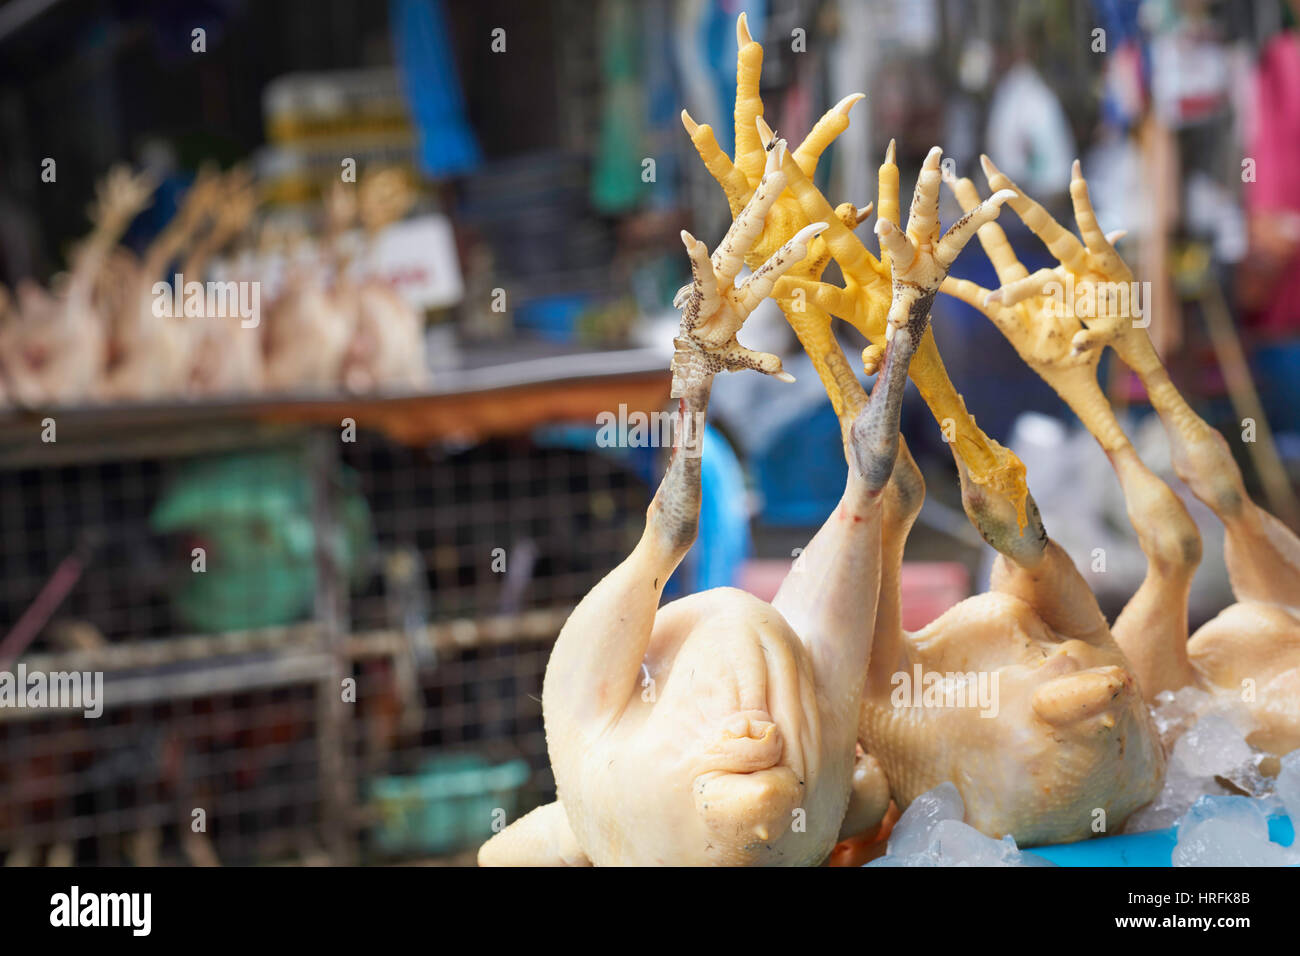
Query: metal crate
pixel 430 646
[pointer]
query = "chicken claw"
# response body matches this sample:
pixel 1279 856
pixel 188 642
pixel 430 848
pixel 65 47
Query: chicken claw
pixel 919 258
pixel 119 196
pixel 714 308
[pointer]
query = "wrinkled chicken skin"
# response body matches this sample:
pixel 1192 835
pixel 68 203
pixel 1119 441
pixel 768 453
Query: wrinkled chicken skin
pixel 718 729
pixel 1250 653
pixel 53 344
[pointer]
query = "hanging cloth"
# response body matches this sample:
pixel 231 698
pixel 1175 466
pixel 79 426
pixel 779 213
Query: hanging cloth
pixel 427 71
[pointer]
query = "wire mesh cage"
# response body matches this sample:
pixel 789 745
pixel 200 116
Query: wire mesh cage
pixel 314 645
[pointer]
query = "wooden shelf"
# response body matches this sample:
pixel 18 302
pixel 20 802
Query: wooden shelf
pixel 468 404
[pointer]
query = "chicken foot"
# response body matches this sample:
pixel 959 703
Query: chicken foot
pixel 865 298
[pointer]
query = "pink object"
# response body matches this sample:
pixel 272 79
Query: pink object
pixel 929 587
pixel 1274 144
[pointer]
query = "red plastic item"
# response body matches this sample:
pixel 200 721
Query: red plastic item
pixel 929 587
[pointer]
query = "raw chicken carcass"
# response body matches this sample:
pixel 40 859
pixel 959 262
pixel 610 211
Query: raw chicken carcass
pixel 53 344
pixel 718 729
pixel 386 350
pixel 1037 719
pixel 1072 735
pixel 306 330
pixel 1250 653
pixel 227 353
pixel 150 353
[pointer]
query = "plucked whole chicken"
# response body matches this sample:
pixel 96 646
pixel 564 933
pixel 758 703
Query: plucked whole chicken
pixel 747 751
pixel 1071 735
pixel 174 322
pixel 1250 653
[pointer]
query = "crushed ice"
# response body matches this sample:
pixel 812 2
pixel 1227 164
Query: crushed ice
pixel 1216 791
pixel 931 833
pixel 1210 756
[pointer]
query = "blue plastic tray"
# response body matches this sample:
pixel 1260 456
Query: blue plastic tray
pixel 1155 848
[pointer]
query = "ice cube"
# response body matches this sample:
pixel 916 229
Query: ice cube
pixel 1242 812
pixel 1225 842
pixel 931 833
pixel 1179 792
pixel 1214 746
pixel 911 834
pixel 959 844
pixel 1228 831
pixel 1211 747
pixel 913 859
pixel 1175 711
pixel 1288 788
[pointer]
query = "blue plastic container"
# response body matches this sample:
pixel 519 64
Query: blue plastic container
pixel 1155 848
pixel 1277 370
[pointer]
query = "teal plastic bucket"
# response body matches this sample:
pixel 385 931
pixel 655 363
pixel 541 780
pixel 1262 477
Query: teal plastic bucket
pixel 448 805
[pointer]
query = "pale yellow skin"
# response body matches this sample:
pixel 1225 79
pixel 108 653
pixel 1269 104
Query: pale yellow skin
pixel 719 729
pixel 226 355
pixel 1250 653
pixel 1073 735
pixel 52 344
pixel 386 344
pixel 151 354
pixel 1071 750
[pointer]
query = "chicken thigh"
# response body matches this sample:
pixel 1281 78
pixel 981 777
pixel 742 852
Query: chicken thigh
pixel 1250 653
